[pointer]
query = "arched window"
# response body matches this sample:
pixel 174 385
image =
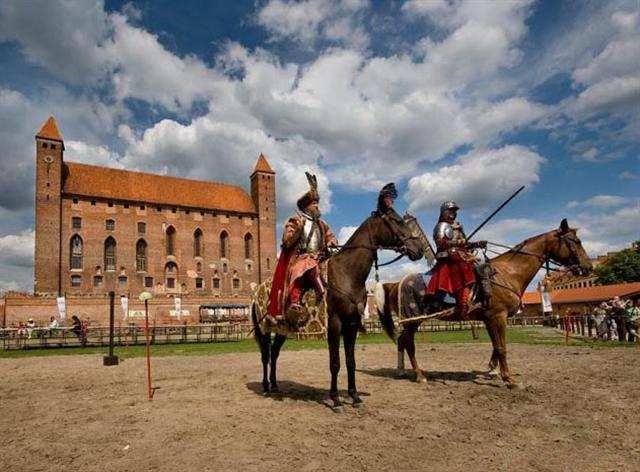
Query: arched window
pixel 171 273
pixel 141 255
pixel 224 244
pixel 171 241
pixel 197 243
pixel 248 246
pixel 110 254
pixel 76 252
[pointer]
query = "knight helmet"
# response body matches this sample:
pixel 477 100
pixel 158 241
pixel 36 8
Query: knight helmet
pixel 312 195
pixel 448 205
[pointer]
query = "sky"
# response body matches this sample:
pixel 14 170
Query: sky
pixel 458 100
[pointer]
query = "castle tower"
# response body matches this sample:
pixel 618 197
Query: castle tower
pixel 263 193
pixel 48 205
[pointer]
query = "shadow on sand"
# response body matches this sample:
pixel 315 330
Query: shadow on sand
pixel 434 376
pixel 299 392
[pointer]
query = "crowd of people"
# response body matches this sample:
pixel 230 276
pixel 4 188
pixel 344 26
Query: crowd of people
pixel 30 329
pixel 616 319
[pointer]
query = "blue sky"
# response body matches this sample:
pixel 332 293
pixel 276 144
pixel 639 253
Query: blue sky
pixel 462 100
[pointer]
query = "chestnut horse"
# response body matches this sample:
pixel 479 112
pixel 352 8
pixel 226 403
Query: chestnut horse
pixel 514 270
pixel 346 295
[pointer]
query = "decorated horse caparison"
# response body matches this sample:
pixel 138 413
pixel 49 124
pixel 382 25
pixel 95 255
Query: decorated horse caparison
pixel 347 271
pixel 513 271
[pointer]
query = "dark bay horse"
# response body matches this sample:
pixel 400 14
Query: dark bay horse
pixel 514 270
pixel 347 273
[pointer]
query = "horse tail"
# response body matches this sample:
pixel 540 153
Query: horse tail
pixel 257 332
pixel 384 303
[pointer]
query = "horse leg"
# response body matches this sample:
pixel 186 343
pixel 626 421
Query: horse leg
pixel 411 351
pixel 265 348
pixel 402 342
pixel 501 332
pixel 333 338
pixel 493 362
pixel 275 352
pixel 350 334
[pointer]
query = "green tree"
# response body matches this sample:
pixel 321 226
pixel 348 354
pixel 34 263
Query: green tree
pixel 623 267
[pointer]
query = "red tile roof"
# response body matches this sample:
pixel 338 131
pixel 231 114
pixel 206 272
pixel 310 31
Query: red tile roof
pixel 262 165
pixel 50 130
pixel 115 184
pixel 585 294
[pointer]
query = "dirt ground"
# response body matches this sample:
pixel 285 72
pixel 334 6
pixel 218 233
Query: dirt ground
pixel 577 410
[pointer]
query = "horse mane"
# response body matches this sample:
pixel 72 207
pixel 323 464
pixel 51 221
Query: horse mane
pixel 518 247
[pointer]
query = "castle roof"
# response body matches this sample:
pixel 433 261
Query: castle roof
pixel 262 165
pixel 50 130
pixel 595 293
pixel 116 184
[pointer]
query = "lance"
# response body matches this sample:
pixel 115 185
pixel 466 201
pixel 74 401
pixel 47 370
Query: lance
pixel 486 220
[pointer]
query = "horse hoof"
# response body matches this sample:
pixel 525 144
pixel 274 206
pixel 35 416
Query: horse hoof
pixel 275 390
pixel 513 385
pixel 493 374
pixel 420 378
pixel 337 408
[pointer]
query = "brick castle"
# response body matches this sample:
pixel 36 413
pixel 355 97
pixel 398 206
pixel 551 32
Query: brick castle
pixel 100 229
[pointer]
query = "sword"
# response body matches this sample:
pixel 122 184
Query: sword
pixel 486 220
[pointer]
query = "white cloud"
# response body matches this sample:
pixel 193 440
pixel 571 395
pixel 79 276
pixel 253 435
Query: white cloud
pixel 476 179
pixel 606 201
pixel 628 175
pixel 345 233
pixel 16 261
pixel 79 151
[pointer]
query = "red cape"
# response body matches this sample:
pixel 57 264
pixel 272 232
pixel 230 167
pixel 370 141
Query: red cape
pixel 276 298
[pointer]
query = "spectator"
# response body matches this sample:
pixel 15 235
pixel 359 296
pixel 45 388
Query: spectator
pixel 618 312
pixel 591 323
pixel 31 325
pixel 600 316
pixel 76 327
pixel 53 326
pixel 632 318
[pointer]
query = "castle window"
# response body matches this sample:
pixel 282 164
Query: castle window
pixel 53 146
pixel 171 271
pixel 110 254
pixel 76 280
pixel 236 284
pixel 142 227
pixel 75 199
pixel 142 207
pixel 199 283
pixel 148 282
pixel 224 244
pixel 122 281
pixel 268 263
pixel 248 246
pixel 225 268
pixel 76 222
pixel 93 203
pixel 110 225
pixel 110 204
pixel 215 283
pixel 97 280
pixel 44 145
pixel 173 210
pixel 76 252
pixel 126 205
pixel 171 240
pixel 171 282
pixel 158 208
pixel 186 212
pixel 141 255
pixel 202 213
pixel 197 243
pixel 199 267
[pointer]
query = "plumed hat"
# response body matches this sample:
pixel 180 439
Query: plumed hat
pixel 312 195
pixel 389 190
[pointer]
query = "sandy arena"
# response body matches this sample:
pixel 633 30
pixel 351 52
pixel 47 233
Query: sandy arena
pixel 577 410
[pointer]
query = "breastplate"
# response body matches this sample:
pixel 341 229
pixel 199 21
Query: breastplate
pixel 311 237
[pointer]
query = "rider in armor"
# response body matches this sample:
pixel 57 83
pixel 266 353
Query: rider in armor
pixel 305 242
pixel 454 270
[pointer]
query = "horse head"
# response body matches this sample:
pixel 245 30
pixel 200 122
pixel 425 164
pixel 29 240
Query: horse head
pixel 395 232
pixel 566 249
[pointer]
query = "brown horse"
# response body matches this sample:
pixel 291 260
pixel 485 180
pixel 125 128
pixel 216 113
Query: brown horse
pixel 514 270
pixel 347 272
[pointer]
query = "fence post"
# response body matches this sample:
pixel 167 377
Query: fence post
pixel 110 359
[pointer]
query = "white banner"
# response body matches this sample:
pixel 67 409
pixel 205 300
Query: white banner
pixel 124 302
pixel 546 302
pixel 62 308
pixel 178 303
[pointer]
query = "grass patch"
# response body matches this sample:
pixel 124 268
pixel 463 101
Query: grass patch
pixel 527 335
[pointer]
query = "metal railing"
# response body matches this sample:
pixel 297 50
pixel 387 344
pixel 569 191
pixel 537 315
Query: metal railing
pixel 129 335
